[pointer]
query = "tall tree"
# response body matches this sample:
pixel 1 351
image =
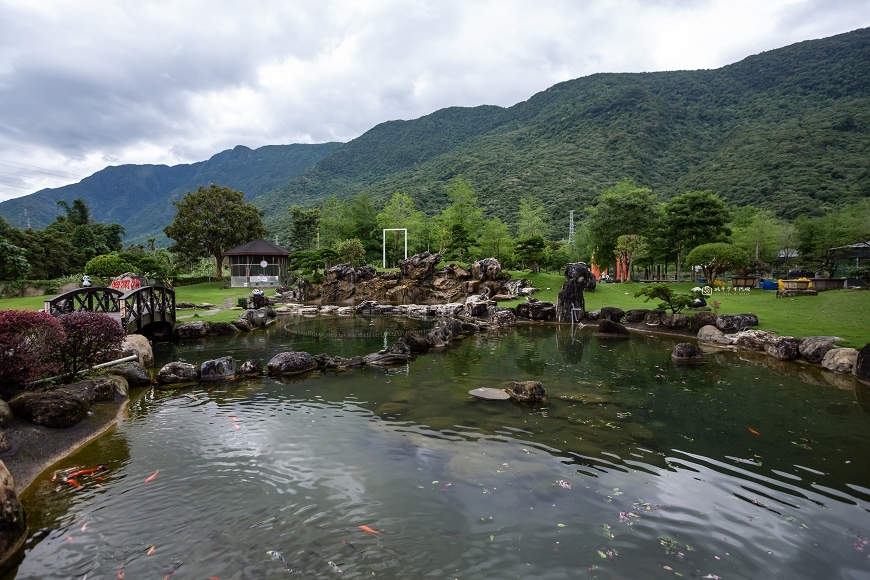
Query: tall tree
pixel 304 228
pixel 695 218
pixel 532 218
pixel 625 209
pixel 495 242
pixel 463 210
pixel 211 221
pixel 400 212
pixel 13 261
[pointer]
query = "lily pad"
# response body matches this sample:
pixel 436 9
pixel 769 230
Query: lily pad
pixel 489 394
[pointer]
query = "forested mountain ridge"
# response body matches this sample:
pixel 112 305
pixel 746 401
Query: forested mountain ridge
pixel 139 197
pixel 787 129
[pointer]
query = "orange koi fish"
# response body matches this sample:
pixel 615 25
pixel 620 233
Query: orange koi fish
pixel 369 530
pixel 89 471
pixel 121 572
pixel 73 483
pixel 150 550
pixel 753 431
pixel 152 476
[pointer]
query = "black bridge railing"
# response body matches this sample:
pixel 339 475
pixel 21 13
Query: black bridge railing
pixel 137 309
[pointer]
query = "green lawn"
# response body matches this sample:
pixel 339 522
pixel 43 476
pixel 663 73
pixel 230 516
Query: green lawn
pixel 843 313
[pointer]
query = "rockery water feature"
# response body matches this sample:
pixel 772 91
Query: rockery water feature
pixel 742 467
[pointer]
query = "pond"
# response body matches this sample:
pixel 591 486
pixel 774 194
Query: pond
pixel 740 468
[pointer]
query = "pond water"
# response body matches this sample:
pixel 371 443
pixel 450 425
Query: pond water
pixel 741 468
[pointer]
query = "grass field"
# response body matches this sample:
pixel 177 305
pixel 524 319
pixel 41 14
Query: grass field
pixel 843 313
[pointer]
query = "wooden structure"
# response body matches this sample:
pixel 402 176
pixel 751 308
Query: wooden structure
pixel 147 310
pixel 258 263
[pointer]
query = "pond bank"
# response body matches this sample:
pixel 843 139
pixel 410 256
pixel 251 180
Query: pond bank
pixel 35 448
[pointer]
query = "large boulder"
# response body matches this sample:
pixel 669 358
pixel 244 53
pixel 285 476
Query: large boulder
pixel 700 320
pixel 338 363
pixel 135 374
pixel 577 277
pixel 862 364
pixel 243 324
pixel 675 320
pixel 753 339
pixel 219 369
pixel 13 520
pixel 291 363
pixel 64 406
pixel 342 280
pixel 141 347
pixel 257 317
pixel 609 329
pixel 528 392
pixel 536 310
pixel 612 313
pixel 813 348
pixel 636 315
pixel 222 329
pixel 176 373
pixel 713 335
pixel 192 329
pixel 729 323
pixel 653 317
pixel 501 317
pixel 840 360
pixel 687 353
pixel 420 266
pixel 783 347
pixel 486 269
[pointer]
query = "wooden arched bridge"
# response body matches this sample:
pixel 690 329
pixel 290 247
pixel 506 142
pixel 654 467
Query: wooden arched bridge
pixel 147 310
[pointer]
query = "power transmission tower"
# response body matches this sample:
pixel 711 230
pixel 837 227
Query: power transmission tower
pixel 571 227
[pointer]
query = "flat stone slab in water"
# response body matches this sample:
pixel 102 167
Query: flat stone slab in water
pixel 489 394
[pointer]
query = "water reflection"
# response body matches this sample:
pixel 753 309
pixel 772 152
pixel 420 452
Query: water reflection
pixel 635 468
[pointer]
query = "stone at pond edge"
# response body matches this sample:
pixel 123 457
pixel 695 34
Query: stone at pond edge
pixel 734 322
pixel 813 348
pixel 251 367
pixel 700 320
pixel 66 405
pixel 192 329
pixel 135 373
pixel 291 363
pixel 712 334
pixel 178 372
pixel 862 364
pixel 489 394
pixel 526 391
pixel 222 329
pixel 140 346
pixel 612 313
pixel 840 360
pixel 653 317
pixel 686 352
pixel 5 414
pixel 636 315
pixel 243 325
pixel 783 347
pixel 609 329
pixel 13 520
pixel 219 369
pixel 675 320
pixel 338 363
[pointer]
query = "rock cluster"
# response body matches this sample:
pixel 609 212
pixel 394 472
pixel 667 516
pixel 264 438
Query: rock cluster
pixel 66 405
pixel 578 277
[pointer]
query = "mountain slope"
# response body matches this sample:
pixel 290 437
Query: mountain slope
pixel 139 196
pixel 788 129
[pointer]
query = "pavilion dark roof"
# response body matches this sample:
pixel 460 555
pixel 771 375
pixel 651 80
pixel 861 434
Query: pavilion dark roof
pixel 259 247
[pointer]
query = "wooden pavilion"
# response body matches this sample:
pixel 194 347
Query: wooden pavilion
pixel 258 263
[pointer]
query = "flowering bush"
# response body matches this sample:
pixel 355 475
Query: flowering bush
pixel 28 343
pixel 88 337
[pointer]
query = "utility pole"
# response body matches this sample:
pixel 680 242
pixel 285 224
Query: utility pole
pixel 571 227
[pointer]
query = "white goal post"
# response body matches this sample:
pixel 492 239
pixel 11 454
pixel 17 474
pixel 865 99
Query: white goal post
pixel 385 243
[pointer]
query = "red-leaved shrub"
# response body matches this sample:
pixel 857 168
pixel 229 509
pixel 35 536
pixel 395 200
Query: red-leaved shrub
pixel 89 336
pixel 28 344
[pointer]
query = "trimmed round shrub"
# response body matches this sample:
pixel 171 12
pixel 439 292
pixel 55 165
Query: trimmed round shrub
pixel 108 266
pixel 90 338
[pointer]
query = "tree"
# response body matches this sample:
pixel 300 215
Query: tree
pixel 88 338
pixel 459 244
pixel 108 266
pixel 669 298
pixel 304 228
pixel 532 218
pixel 625 209
pixel 351 252
pixel 463 210
pixel 716 258
pixel 27 341
pixel 629 247
pixel 210 221
pixel 694 218
pixel 495 242
pixel 530 251
pixel 13 261
pixel 400 213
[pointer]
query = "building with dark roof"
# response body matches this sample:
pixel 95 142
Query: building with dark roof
pixel 258 263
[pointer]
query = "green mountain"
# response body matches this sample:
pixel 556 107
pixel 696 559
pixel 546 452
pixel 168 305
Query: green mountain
pixel 139 196
pixel 787 129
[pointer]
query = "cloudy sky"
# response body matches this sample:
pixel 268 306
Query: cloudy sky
pixel 88 84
